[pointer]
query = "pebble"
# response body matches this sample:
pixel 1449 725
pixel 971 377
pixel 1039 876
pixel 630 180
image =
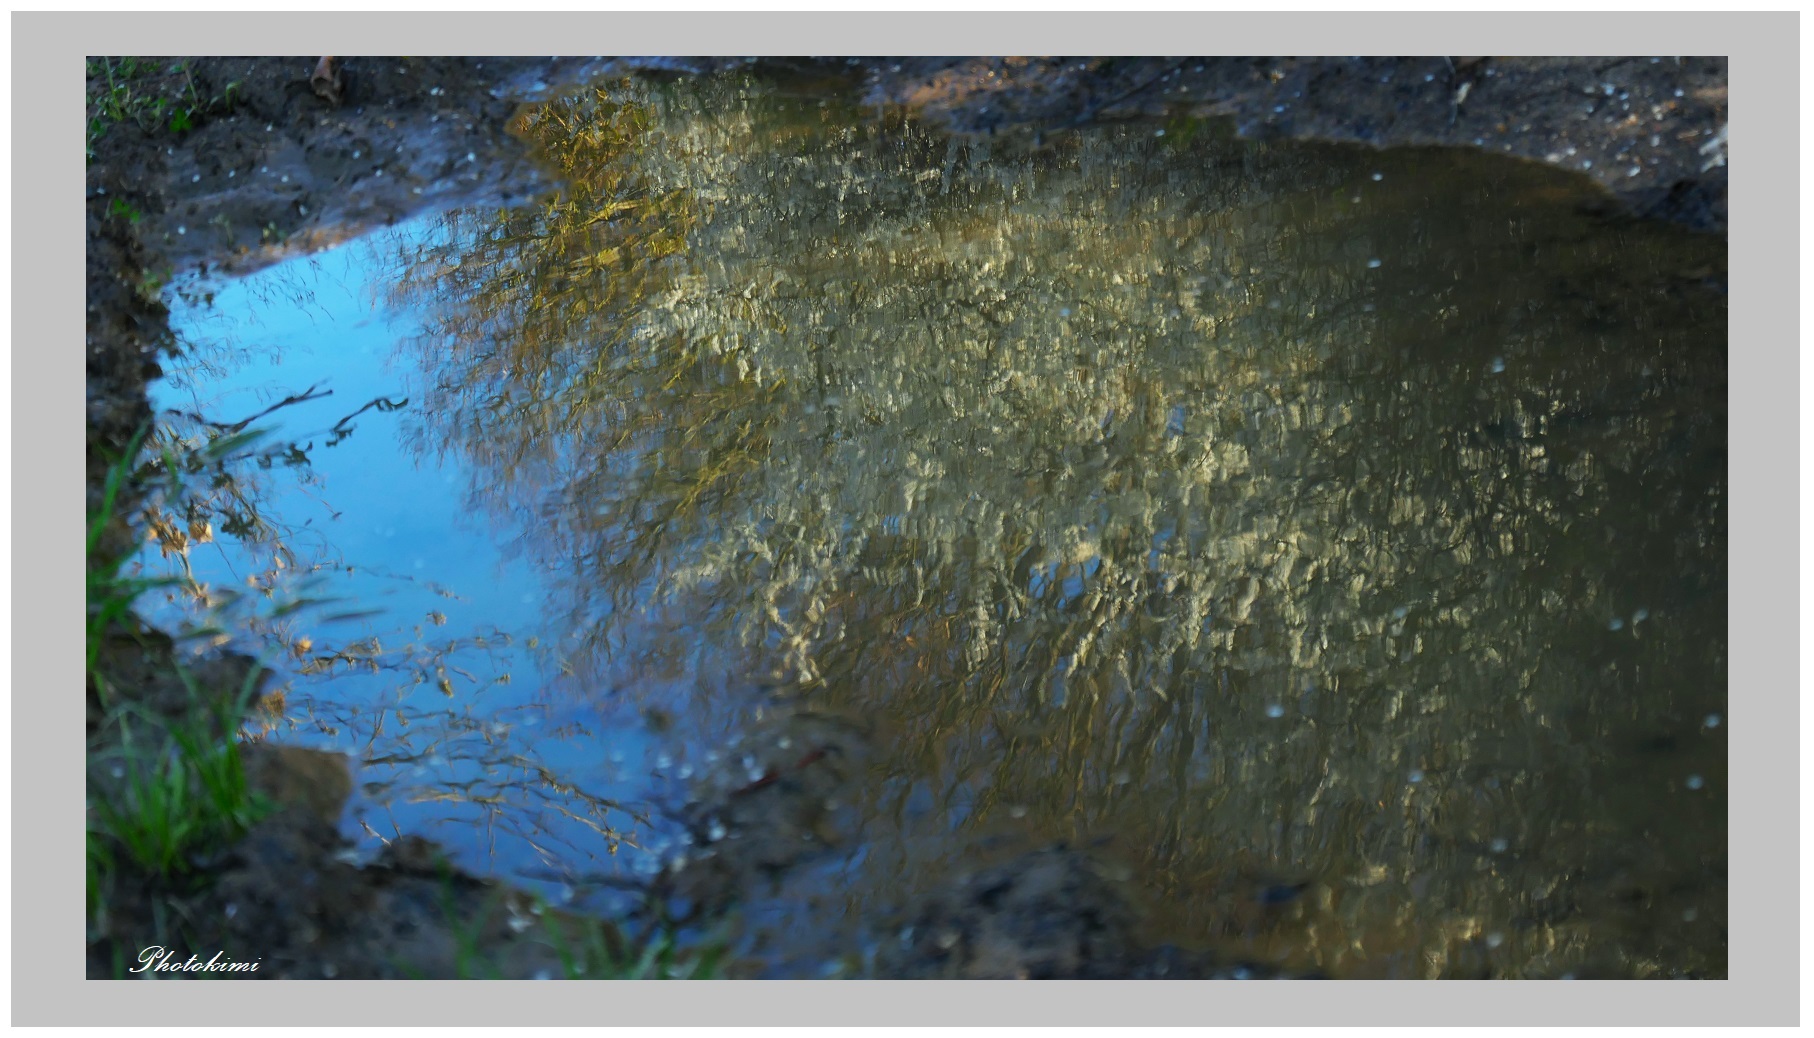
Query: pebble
pixel 1696 782
pixel 1712 721
pixel 1275 710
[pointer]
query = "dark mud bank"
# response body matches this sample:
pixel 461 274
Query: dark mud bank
pixel 288 168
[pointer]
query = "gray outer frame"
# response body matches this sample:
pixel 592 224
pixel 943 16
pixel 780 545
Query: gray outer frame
pixel 1763 371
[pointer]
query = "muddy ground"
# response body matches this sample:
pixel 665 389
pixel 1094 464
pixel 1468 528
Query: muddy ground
pixel 275 166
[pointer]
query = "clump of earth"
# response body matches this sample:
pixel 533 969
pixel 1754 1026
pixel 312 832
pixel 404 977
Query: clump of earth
pixel 291 167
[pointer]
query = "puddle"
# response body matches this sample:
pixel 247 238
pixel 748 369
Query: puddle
pixel 1326 546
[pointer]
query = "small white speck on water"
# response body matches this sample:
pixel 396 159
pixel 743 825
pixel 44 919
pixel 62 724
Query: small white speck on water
pixel 1158 133
pixel 1275 710
pixel 663 761
pixel 1587 163
pixel 716 832
pixel 1431 78
pixel 1498 365
pixel 232 910
pixel 417 190
pixel 196 179
pixel 1017 811
pixel 1498 845
pixel 264 169
pixel 470 157
pixel 1415 776
pixel 1372 264
pixel 1678 91
pixel 285 179
pixel 1064 311
pixel 355 152
pixel 182 230
pixel 1355 200
pixel 1712 721
pixel 1379 176
pixel 1643 614
pixel 1495 939
pixel 1696 782
pixel 1634 171
pixel 267 127
pixel 303 209
pixel 230 174
pixel 542 975
pixel 1615 624
pixel 1276 109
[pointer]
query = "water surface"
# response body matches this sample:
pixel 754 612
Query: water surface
pixel 1332 539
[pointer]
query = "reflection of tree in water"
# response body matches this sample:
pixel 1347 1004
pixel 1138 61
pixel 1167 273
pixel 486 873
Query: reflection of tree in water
pixel 402 698
pixel 1125 491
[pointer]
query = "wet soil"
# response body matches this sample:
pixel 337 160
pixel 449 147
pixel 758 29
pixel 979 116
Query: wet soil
pixel 288 168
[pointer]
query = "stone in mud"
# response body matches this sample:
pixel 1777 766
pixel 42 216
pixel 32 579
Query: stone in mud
pixel 1050 914
pixel 295 778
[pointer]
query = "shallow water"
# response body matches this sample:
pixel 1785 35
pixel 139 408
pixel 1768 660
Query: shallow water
pixel 1331 540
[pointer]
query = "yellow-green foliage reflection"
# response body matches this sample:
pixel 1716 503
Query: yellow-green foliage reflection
pixel 1283 518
